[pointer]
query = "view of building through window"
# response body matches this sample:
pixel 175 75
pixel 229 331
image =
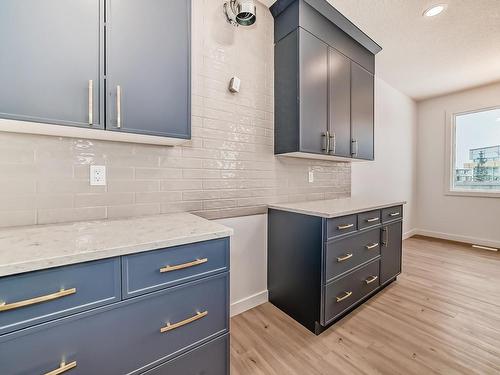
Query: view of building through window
pixel 477 151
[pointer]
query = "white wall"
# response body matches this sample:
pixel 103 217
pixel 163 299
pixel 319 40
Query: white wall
pixel 467 219
pixel 392 176
pixel 248 261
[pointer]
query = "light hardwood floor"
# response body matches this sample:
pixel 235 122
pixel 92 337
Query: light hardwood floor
pixel 442 316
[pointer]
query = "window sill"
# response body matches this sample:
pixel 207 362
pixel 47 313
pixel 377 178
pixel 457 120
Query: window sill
pixel 473 193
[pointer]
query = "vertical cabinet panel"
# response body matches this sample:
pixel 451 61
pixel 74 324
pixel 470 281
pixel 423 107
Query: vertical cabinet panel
pixel 148 57
pixel 390 264
pixel 313 72
pixel 50 52
pixel 362 113
pixel 286 116
pixel 339 98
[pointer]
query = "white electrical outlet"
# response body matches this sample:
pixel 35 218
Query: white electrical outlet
pixel 311 176
pixel 97 175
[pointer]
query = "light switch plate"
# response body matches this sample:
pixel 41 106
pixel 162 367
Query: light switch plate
pixel 97 175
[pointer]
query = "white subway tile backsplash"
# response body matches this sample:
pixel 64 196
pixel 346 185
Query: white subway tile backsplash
pixel 227 169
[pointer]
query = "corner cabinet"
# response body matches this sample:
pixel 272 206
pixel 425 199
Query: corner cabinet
pixel 115 65
pixel 320 269
pixel 324 83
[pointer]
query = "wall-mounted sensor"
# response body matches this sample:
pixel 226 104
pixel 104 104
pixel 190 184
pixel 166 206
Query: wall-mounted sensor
pixel 234 84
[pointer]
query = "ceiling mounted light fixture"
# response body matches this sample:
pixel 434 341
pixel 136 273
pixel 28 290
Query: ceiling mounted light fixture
pixel 434 10
pixel 240 12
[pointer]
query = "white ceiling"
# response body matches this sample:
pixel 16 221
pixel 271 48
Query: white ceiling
pixel 430 56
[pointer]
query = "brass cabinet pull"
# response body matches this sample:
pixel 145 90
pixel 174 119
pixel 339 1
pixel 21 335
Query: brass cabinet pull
pixel 373 219
pixel 118 106
pixel 49 297
pixel 345 257
pixel 371 246
pixel 345 296
pixel 182 266
pixel 371 279
pixel 91 102
pixel 385 234
pixel 356 148
pixel 62 368
pixel 327 141
pixel 393 214
pixel 333 139
pixel 345 226
pixel 170 327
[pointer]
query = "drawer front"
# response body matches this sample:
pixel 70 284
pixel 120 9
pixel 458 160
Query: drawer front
pixel 155 270
pixel 344 255
pixel 341 225
pixel 369 219
pixel 345 292
pixel 209 359
pixel 125 337
pixel 36 297
pixel 392 213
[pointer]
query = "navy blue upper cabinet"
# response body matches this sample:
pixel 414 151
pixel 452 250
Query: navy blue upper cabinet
pixel 324 83
pixel 148 67
pixel 313 83
pixel 50 64
pixel 362 112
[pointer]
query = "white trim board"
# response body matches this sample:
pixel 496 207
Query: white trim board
pixel 26 127
pixel 249 302
pixel 456 237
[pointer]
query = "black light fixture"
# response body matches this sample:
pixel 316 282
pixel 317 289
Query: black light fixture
pixel 240 12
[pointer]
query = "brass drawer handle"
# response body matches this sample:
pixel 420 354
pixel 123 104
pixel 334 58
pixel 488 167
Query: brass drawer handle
pixel 371 279
pixel 49 297
pixel 170 327
pixel 393 214
pixel 185 265
pixel 371 246
pixel 372 220
pixel 62 368
pixel 346 226
pixel 345 257
pixel 345 296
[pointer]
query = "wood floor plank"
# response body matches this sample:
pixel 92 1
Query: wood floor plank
pixel 442 316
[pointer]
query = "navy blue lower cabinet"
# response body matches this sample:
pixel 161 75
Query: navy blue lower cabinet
pixel 77 320
pixel 125 338
pixel 158 269
pixel 321 269
pixel 37 297
pixel 208 359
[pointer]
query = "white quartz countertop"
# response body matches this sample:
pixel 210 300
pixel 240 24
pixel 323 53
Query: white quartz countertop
pixel 24 249
pixel 335 207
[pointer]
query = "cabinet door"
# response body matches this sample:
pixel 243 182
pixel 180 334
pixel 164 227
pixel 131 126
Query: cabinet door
pixel 362 113
pixel 148 67
pixel 313 72
pixel 50 52
pixel 390 263
pixel 339 109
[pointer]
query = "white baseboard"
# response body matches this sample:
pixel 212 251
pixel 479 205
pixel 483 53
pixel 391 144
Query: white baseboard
pixel 249 302
pixel 410 233
pixel 457 237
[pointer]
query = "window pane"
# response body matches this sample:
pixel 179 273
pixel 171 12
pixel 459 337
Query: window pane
pixel 477 151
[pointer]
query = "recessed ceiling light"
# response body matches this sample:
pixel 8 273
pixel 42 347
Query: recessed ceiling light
pixel 434 10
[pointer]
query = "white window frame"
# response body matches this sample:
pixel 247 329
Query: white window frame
pixel 450 156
